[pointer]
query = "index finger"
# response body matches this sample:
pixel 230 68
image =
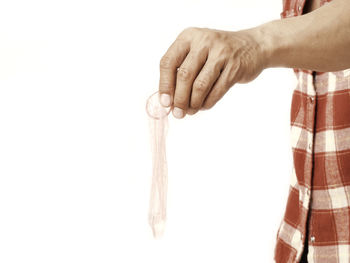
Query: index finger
pixel 169 63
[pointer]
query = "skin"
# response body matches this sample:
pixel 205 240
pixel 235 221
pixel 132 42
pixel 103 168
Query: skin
pixel 202 64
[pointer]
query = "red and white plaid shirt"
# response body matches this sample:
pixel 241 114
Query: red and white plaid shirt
pixel 316 223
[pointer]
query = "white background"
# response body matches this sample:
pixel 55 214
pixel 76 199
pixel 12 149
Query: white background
pixel 75 159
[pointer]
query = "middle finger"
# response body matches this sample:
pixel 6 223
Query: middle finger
pixel 186 74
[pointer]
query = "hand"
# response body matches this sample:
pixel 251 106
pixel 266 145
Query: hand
pixel 202 64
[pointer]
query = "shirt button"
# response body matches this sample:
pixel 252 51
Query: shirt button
pixel 311 99
pixel 310 145
pixel 308 191
pixel 299 8
pixel 312 239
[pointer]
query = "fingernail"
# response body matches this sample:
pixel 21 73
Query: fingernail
pixel 178 113
pixel 165 100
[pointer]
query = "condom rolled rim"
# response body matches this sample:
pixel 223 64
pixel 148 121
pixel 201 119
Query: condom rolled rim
pixel 148 104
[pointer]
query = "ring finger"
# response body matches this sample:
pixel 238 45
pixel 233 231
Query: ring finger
pixel 204 82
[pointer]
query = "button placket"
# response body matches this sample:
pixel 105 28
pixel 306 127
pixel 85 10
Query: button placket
pixel 311 235
pixel 311 100
pixel 306 198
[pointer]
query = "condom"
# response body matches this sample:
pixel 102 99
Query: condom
pixel 158 126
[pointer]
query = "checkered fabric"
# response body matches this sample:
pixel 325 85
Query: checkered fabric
pixel 316 223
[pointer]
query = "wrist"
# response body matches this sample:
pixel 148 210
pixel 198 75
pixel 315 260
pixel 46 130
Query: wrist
pixel 270 43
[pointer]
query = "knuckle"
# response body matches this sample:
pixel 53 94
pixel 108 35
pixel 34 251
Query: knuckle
pixel 164 85
pixel 195 105
pixel 166 62
pixel 180 101
pixel 195 102
pixel 208 36
pixel 192 111
pixel 185 32
pixel 207 106
pixel 184 74
pixel 190 29
pixel 227 49
pixel 188 32
pixel 224 52
pixel 224 84
pixel 201 85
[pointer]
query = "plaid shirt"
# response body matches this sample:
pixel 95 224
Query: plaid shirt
pixel 316 223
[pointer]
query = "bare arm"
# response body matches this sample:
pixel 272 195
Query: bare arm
pixel 318 41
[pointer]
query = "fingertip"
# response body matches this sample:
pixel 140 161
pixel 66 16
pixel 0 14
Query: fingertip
pixel 165 100
pixel 178 113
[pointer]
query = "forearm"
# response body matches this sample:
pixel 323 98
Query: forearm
pixel 318 41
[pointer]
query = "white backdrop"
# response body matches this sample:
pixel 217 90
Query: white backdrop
pixel 75 163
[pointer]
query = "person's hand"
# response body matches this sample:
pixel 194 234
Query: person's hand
pixel 202 64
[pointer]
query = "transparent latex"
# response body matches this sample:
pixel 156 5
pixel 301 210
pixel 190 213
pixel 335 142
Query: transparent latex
pixel 158 126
